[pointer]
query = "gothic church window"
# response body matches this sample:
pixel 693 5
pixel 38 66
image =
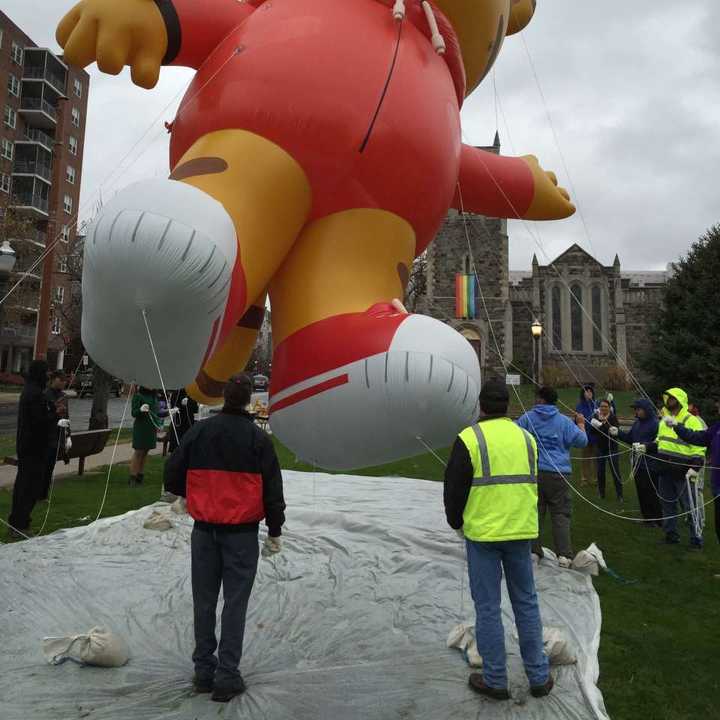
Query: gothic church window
pixel 576 318
pixel 597 319
pixel 556 318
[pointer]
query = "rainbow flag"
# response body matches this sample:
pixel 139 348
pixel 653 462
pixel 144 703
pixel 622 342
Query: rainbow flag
pixel 465 296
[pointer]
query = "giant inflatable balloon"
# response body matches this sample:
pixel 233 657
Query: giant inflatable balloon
pixel 313 157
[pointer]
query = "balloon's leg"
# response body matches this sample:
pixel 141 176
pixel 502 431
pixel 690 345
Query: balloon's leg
pixel 356 382
pixel 231 357
pixel 268 197
pixel 344 263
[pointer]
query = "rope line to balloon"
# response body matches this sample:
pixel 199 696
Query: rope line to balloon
pixel 538 242
pixel 519 399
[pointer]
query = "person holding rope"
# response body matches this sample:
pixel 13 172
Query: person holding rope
pixel 146 412
pixel 490 498
pixel 587 406
pixel 555 435
pixel 59 430
pixel 604 422
pixel 33 425
pixel 183 411
pixel 679 463
pixel 229 472
pixel 644 430
pixel 709 438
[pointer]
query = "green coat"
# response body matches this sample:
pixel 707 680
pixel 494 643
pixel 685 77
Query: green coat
pixel 146 424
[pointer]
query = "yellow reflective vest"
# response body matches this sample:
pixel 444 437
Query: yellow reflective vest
pixel 502 504
pixel 669 444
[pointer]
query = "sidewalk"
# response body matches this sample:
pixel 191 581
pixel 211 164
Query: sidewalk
pixel 123 454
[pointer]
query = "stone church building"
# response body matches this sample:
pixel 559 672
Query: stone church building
pixel 597 319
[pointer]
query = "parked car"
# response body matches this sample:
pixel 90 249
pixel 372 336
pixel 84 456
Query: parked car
pixel 261 383
pixel 83 384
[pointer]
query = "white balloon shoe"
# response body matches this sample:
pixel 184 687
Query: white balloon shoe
pixel 369 388
pixel 169 249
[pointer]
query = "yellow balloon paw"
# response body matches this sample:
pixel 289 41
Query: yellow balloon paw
pixel 115 34
pixel 550 201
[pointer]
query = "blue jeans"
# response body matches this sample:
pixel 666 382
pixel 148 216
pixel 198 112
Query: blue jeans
pixel 673 491
pixel 486 562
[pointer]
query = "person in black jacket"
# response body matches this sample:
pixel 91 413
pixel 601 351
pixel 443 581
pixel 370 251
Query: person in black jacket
pixel 183 411
pixel 33 425
pixel 603 421
pixel 57 433
pixel 229 472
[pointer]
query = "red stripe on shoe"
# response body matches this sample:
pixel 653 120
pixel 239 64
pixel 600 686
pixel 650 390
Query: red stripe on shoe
pixel 333 343
pixel 310 392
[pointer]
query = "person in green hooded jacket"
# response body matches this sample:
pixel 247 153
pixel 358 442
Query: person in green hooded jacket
pixel 145 410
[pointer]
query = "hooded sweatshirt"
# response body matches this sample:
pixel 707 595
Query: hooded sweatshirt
pixel 555 435
pixel 587 409
pixel 643 430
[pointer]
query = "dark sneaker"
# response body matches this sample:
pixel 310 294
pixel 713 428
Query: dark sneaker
pixel 14 534
pixel 477 683
pixel 539 691
pixel 225 693
pixel 671 540
pixel 203 686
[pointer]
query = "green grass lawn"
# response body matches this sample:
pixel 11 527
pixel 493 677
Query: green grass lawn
pixel 659 650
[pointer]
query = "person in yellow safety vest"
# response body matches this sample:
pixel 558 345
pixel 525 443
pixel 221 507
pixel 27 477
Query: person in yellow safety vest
pixel 678 462
pixel 491 499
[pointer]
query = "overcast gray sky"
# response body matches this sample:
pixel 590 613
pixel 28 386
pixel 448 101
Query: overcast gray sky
pixel 632 88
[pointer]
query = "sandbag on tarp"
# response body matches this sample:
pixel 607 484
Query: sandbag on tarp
pixel 350 620
pixel 99 647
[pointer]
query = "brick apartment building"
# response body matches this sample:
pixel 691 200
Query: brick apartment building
pixel 43 106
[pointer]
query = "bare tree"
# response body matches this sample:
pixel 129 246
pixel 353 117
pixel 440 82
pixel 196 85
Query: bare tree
pixel 416 290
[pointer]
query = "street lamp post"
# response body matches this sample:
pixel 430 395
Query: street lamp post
pixel 7 263
pixel 537 330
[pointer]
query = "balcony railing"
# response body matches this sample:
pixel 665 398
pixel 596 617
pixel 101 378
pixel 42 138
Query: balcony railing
pixel 32 200
pixel 35 135
pixel 39 73
pixel 32 167
pixel 33 103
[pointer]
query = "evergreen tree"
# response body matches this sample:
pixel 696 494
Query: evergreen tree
pixel 686 348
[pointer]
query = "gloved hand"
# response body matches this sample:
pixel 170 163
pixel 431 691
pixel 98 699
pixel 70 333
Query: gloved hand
pixel 271 546
pixel 174 411
pixel 64 423
pixel 184 402
pixel 610 397
pixel 460 533
pixel 145 408
pixel 614 431
pixel 692 475
pixel 670 421
pixel 68 445
pixel 596 423
pixel 639 448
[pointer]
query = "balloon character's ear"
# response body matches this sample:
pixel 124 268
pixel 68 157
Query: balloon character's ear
pixel 521 13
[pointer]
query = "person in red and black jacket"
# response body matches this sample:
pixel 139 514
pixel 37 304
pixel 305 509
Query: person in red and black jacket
pixel 229 472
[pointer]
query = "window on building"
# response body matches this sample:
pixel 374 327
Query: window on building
pixel 73 145
pixel 68 204
pixel 10 117
pixel 1 37
pixel 58 295
pixel 597 319
pixel 7 149
pixel 78 88
pixel 65 234
pixel 13 85
pixel 70 174
pixel 63 264
pixel 55 326
pixel 556 300
pixel 76 117
pixel 17 54
pixel 576 318
pixel 4 183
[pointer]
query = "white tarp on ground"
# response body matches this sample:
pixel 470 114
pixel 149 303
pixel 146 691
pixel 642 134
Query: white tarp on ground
pixel 351 621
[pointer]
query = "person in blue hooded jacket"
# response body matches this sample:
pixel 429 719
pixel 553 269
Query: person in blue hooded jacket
pixel 644 431
pixel 555 435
